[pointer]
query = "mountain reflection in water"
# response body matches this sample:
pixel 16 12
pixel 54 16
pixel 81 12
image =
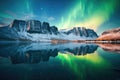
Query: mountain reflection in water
pixel 68 61
pixel 36 52
pixel 111 47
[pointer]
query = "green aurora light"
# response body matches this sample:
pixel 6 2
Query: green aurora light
pixel 94 14
pixel 88 13
pixel 79 64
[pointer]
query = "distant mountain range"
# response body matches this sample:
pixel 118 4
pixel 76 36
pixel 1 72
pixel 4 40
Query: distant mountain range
pixel 113 34
pixel 35 30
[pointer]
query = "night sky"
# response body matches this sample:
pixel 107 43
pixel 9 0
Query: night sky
pixel 99 15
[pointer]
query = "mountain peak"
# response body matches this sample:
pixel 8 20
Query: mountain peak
pixel 36 30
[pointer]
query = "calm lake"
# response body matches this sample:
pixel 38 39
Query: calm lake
pixel 68 61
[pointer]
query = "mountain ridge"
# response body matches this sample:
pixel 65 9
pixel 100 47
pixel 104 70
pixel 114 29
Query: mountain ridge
pixel 112 34
pixel 35 30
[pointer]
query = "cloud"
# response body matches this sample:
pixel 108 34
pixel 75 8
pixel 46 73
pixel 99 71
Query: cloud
pixel 6 20
pixel 27 16
pixel 1 25
pixel 51 18
pixel 11 13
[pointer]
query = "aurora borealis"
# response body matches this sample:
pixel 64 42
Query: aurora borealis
pixel 99 15
pixel 79 64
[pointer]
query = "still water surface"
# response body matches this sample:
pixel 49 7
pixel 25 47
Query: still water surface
pixel 68 61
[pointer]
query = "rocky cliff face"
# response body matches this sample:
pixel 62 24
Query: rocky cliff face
pixel 15 31
pixel 35 30
pixel 115 30
pixel 113 34
pixel 81 32
pixel 36 26
pixel 19 25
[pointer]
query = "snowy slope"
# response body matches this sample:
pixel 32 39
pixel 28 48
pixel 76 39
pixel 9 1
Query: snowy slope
pixel 34 30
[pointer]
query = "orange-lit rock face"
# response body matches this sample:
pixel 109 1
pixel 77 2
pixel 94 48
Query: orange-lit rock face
pixel 111 47
pixel 28 28
pixel 116 30
pixel 110 36
pixel 113 34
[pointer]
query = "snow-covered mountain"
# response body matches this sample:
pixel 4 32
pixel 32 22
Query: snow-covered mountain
pixel 35 30
pixel 79 33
